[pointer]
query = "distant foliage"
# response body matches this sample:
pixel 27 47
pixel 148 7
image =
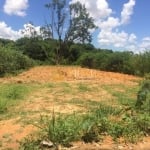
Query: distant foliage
pixel 15 56
pixel 12 61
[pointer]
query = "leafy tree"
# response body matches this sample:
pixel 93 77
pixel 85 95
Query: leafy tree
pixel 80 24
pixel 142 63
pixel 69 26
pixel 35 48
pixel 45 32
pixel 87 60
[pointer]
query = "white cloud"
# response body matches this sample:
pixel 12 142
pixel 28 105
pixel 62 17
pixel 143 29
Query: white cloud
pixel 15 7
pixel 98 9
pixel 30 30
pixel 108 24
pixel 127 11
pixel 7 32
pixel 132 38
pixel 145 44
pixel 117 39
pixel 110 30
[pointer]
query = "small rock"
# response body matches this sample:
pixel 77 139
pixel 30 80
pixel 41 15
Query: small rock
pixel 48 144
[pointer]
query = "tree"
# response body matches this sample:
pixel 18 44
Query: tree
pixel 68 24
pixel 58 17
pixel 45 32
pixel 80 24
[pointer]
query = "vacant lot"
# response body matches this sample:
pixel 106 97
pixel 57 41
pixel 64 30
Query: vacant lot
pixel 27 99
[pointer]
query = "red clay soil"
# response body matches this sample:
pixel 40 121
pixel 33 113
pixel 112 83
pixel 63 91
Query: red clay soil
pixel 12 132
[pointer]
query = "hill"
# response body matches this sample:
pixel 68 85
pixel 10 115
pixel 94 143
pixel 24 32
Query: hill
pixel 45 74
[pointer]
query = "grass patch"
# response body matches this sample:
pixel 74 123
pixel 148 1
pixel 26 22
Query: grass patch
pixel 124 95
pixel 92 126
pixel 11 93
pixel 83 88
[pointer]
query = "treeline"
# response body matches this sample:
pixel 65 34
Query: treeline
pixel 27 52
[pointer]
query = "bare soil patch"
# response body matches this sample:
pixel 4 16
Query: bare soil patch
pixel 11 132
pixel 59 73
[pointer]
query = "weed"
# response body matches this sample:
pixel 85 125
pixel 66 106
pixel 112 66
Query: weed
pixel 105 110
pixel 63 129
pixel 13 92
pixel 3 105
pixel 30 143
pixel 83 88
pixel 9 93
pixel 123 98
pixel 116 130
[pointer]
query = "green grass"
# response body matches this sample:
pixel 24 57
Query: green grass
pixel 125 96
pixel 92 126
pixel 11 93
pixel 83 88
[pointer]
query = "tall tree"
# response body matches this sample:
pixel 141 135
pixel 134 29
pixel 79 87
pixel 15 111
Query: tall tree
pixel 80 24
pixel 58 17
pixel 69 23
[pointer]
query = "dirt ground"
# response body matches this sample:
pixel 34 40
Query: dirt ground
pixel 60 73
pixel 13 130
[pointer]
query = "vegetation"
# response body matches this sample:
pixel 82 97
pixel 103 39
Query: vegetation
pixel 26 52
pixel 69 46
pixel 120 120
pixel 92 127
pixel 12 61
pixel 10 94
pixel 143 96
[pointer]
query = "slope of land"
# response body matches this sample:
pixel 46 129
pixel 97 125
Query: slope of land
pixel 60 73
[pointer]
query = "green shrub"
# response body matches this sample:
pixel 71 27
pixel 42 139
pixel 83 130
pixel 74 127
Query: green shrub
pixel 143 96
pixel 116 130
pixel 63 129
pixel 143 123
pixel 12 61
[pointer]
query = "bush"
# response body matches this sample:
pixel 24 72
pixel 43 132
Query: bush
pixel 86 60
pixel 143 96
pixel 12 61
pixel 62 129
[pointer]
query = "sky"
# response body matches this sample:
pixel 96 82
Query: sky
pixel 122 24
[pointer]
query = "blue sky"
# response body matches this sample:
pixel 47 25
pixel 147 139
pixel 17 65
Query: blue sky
pixel 122 24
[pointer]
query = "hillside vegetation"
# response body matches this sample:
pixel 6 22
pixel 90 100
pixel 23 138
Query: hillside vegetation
pixel 27 52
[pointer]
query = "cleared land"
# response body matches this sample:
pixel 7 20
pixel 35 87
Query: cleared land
pixel 64 90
